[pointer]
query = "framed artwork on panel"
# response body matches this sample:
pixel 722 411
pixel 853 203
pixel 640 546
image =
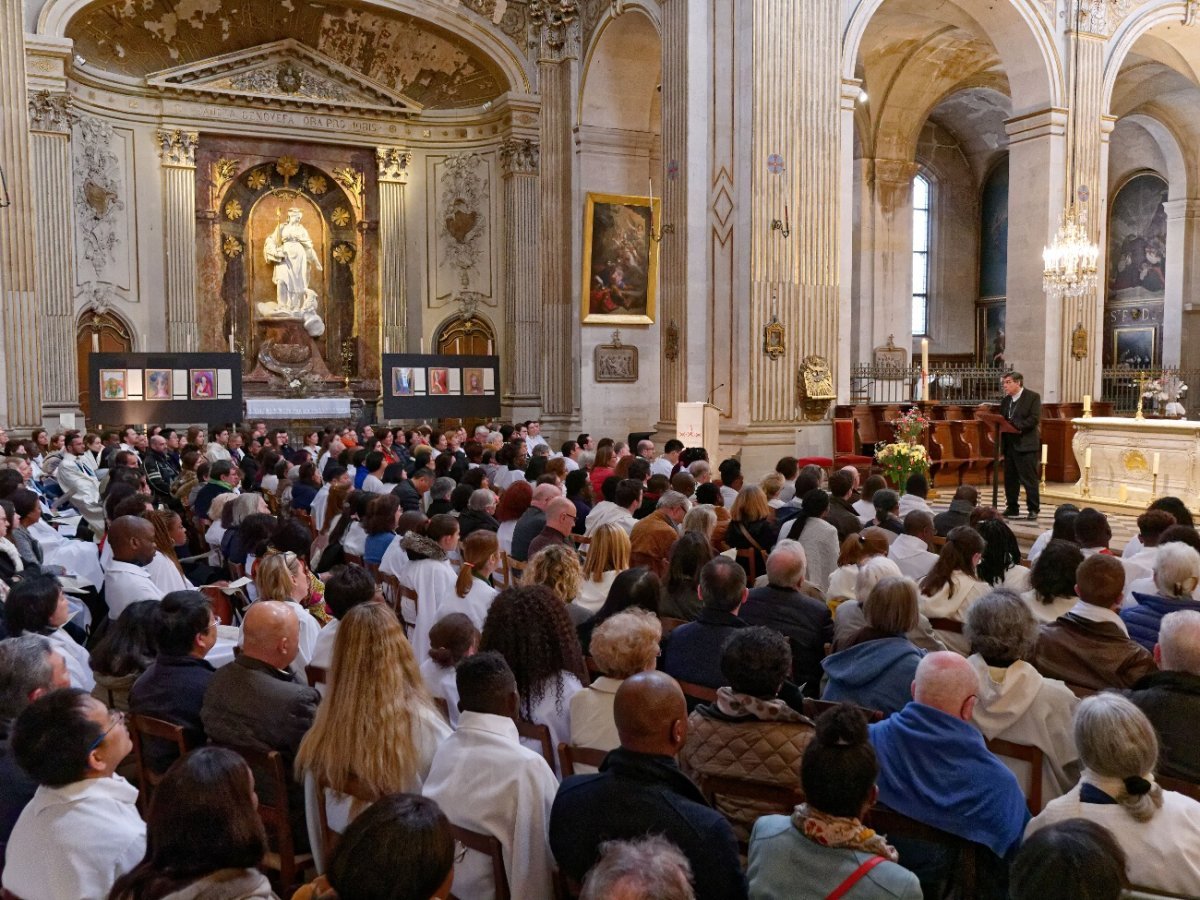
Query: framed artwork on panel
pixel 473 382
pixel 620 260
pixel 439 381
pixel 114 384
pixel 402 382
pixel 991 340
pixel 203 384
pixel 1133 347
pixel 158 384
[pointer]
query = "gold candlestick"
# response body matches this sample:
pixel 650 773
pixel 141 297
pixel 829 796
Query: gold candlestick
pixel 1141 390
pixel 1043 484
pixel 1086 490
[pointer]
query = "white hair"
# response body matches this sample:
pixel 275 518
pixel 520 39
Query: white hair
pixel 1179 641
pixel 787 563
pixel 1176 570
pixel 871 572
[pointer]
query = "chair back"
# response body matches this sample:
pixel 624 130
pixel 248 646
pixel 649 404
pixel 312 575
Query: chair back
pixel 540 733
pixel 352 559
pixel 952 625
pixel 784 798
pixel 698 692
pixel 442 707
pixel 1179 786
pixel 315 675
pixel 571 754
pixel 306 519
pixel 669 624
pixel 751 557
pixel 814 708
pixel 329 837
pixel 516 570
pixel 140 728
pixel 1032 755
pixel 894 824
pixel 490 847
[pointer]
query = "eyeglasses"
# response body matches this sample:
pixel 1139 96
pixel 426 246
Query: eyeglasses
pixel 460 852
pixel 115 718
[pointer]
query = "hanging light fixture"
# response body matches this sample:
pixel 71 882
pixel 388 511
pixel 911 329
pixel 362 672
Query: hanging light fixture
pixel 1069 263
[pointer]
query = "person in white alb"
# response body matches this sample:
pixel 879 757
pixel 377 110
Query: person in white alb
pixel 910 551
pixel 218 450
pixel 81 831
pixel 570 455
pixel 80 486
pixel 375 463
pixel 127 578
pixel 484 780
pixel 533 435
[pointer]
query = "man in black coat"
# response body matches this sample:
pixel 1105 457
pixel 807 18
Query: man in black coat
pixel 1023 409
pixel 1170 698
pixel 412 490
pixel 803 620
pixel 692 652
pixel 640 790
pixel 842 514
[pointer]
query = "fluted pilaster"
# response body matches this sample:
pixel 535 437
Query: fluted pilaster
pixel 177 150
pixel 521 369
pixel 18 269
pixel 393 293
pixel 50 167
pixel 673 251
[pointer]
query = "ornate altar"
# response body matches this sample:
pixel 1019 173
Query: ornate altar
pixel 814 388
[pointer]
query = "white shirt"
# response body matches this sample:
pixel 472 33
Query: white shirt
pixel 592 722
pixel 434 581
pixel 952 602
pixel 126 584
pixel 75 841
pixel 376 486
pixel 1098 614
pixel 354 540
pixel 661 466
pixel 569 464
pixel 217 453
pixel 912 503
pixel 531 442
pixel 1048 612
pixel 912 555
pixel 442 684
pixel 322 655
pixel 1039 545
pixel 592 594
pixel 605 512
pixel 475 605
pixel 865 510
pixel 504 535
pixel 394 560
pixel 317 510
pixel 166 577
pixel 484 780
pixel 554 715
pixel 729 495
pixel 76 658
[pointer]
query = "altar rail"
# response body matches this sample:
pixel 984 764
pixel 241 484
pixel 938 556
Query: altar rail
pixel 1120 386
pixel 966 385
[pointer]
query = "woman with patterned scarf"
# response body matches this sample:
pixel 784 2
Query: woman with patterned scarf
pixel 823 849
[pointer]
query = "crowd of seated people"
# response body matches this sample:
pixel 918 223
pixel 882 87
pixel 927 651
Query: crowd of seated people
pixel 386 662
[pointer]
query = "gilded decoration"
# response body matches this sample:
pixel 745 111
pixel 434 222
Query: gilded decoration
pixel 343 253
pixel 350 178
pixel 232 246
pixel 257 180
pixel 224 171
pixel 287 167
pixel 340 216
pixel 233 210
pixel 432 66
pixel 1135 462
pixel 815 388
pixel 1079 342
pixel 773 344
pixel 316 184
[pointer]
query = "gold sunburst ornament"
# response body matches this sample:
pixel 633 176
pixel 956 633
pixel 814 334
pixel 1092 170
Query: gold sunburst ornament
pixel 232 246
pixel 343 253
pixel 233 210
pixel 316 184
pixel 340 217
pixel 257 180
pixel 287 166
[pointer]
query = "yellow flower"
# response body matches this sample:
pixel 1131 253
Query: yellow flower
pixel 233 210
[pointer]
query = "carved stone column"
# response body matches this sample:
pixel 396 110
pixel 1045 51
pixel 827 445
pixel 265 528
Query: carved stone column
pixel 21 379
pixel 393 294
pixel 50 126
pixel 521 363
pixel 557 26
pixel 177 150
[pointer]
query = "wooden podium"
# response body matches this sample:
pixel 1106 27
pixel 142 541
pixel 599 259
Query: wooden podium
pixel 999 426
pixel 699 425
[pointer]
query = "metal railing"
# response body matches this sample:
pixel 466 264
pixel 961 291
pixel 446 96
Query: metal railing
pixel 1121 386
pixel 968 385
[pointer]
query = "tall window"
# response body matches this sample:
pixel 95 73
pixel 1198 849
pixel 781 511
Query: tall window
pixel 920 291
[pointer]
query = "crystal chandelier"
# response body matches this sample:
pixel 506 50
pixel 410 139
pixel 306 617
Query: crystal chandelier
pixel 1069 263
pixel 1070 260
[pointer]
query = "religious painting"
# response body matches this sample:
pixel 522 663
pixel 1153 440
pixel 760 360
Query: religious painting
pixel 993 241
pixel 1133 348
pixel 203 384
pixel 1137 240
pixel 991 340
pixel 620 260
pixel 113 384
pixel 473 382
pixel 439 381
pixel 402 382
pixel 158 384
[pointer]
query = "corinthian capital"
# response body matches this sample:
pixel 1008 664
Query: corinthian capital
pixel 519 157
pixel 393 164
pixel 553 23
pixel 50 112
pixel 178 148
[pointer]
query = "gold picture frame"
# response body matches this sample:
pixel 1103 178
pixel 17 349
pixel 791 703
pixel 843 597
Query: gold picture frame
pixel 620 260
pixel 1134 347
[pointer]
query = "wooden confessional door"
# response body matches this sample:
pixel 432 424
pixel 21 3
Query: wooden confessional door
pixel 113 337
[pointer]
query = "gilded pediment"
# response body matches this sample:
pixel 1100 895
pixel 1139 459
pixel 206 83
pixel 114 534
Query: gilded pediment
pixel 282 73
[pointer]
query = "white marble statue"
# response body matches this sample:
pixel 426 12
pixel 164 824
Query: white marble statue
pixel 289 251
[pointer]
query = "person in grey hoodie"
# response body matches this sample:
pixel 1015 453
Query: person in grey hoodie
pixel 876 670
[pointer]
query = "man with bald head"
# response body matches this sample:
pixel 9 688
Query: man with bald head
pixel 127 580
pixel 640 790
pixel 560 521
pixel 256 701
pixel 533 520
pixel 935 767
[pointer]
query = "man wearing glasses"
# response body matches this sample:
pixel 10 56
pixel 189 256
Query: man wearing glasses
pixel 560 521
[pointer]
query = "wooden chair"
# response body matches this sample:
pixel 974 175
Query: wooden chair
pixel 893 824
pixel 315 675
pixel 274 809
pixel 329 837
pixel 516 570
pixel 442 707
pixel 1178 785
pixel 489 847
pixel 593 669
pixel 669 624
pixel 353 560
pixel 750 555
pixel 226 607
pixel 951 625
pixel 571 754
pixel 1036 759
pixel 140 728
pixel 814 708
pixel 389 587
pixel 541 734
pixel 306 519
pixel 767 798
pixel 698 692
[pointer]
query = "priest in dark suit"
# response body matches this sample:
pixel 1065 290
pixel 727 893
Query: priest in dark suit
pixel 1023 409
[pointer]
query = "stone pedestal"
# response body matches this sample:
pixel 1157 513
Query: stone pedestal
pixel 286 353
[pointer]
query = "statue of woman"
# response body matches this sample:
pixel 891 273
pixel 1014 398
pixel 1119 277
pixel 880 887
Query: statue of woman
pixel 289 250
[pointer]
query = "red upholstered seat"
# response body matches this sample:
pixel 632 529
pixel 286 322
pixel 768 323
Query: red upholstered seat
pixel 823 461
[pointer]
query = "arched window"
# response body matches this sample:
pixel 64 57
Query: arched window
pixel 922 203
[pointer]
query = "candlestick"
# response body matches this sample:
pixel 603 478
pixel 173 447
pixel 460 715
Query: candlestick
pixel 1155 471
pixel 651 180
pixel 1123 492
pixel 1045 453
pixel 95 342
pixel 1087 458
pixel 145 343
pixel 1087 406
pixel 925 368
pixel 422 345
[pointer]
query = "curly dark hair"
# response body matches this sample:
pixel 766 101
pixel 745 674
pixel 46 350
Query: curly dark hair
pixel 1053 574
pixel 1000 553
pixel 530 628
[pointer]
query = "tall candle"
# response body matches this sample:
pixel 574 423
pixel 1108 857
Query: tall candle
pixel 1087 458
pixel 1155 472
pixel 651 180
pixel 1123 492
pixel 1045 453
pixel 95 342
pixel 924 368
pixel 489 348
pixel 145 342
pixel 422 345
pixel 1087 404
pixel 232 346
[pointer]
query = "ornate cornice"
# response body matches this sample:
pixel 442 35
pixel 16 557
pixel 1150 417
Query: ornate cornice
pixel 393 164
pixel 553 23
pixel 519 157
pixel 50 112
pixel 178 148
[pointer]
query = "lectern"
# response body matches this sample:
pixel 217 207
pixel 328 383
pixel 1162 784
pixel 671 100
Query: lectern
pixel 999 426
pixel 699 425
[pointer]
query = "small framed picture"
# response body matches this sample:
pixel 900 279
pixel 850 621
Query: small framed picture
pixel 203 384
pixel 473 382
pixel 402 382
pixel 113 384
pixel 158 384
pixel 439 381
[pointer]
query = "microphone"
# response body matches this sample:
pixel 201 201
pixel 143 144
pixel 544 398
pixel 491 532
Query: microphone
pixel 713 391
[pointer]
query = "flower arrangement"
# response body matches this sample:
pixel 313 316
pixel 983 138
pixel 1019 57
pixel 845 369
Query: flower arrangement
pixel 906 455
pixel 1166 390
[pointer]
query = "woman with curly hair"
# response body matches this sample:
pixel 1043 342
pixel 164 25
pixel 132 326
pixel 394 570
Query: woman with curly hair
pixel 608 557
pixel 1001 562
pixel 557 567
pixel 530 628
pixel 377 729
pixel 513 502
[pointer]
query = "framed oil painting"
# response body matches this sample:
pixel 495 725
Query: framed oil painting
pixel 402 382
pixel 439 381
pixel 1133 348
pixel 991 341
pixel 113 384
pixel 203 384
pixel 620 260
pixel 158 384
pixel 473 382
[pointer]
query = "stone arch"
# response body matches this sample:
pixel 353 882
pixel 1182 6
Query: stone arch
pixel 1169 144
pixel 464 335
pixel 1131 30
pixel 619 72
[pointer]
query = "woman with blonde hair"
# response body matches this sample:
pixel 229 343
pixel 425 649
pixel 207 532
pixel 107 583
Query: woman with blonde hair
pixel 701 519
pixel 752 527
pixel 284 577
pixel 607 556
pixel 377 729
pixel 480 552
pixel 557 567
pixel 771 485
